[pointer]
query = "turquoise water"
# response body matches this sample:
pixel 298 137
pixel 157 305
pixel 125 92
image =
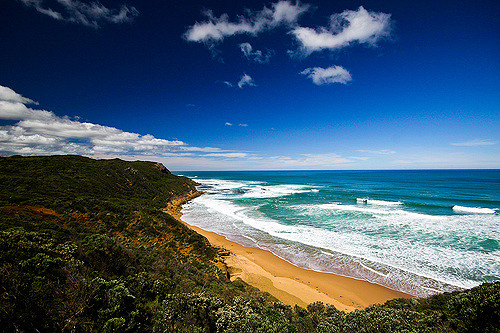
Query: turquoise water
pixel 419 232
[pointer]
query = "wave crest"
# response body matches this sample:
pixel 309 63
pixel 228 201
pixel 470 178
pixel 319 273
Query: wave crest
pixel 378 202
pixel 473 210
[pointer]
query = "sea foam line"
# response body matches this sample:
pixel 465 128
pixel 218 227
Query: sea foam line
pixel 349 244
pixel 253 189
pixel 378 202
pixel 473 210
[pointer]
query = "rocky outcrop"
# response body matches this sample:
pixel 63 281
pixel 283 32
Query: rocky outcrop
pixel 162 168
pixel 174 206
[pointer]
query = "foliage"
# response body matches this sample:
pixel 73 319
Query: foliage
pixel 86 247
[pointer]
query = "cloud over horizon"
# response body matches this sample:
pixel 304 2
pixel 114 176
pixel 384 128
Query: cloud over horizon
pixel 88 14
pixel 43 132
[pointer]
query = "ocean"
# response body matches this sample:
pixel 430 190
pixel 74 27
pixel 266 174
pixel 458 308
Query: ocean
pixel 421 232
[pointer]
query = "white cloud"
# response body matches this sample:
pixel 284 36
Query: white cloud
pixel 229 155
pixel 217 28
pixel 308 161
pixel 334 74
pixel 228 124
pixel 88 14
pixel 254 55
pixel 475 142
pixel 229 84
pixel 9 95
pixel 361 26
pixel 201 149
pixel 243 125
pixel 43 132
pixel 246 80
pixel 378 152
pixel 325 159
pixel 284 11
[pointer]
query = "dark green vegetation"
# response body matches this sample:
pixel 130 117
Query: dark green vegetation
pixel 86 247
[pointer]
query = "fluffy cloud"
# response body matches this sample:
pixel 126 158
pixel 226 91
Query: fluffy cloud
pixel 43 132
pixel 334 74
pixel 217 28
pixel 348 27
pixel 228 124
pixel 246 80
pixel 91 14
pixel 9 95
pixel 254 55
pixel 475 142
pixel 228 155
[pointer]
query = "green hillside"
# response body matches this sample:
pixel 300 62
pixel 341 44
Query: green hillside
pixel 85 246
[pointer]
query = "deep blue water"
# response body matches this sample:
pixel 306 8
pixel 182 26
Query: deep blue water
pixel 420 231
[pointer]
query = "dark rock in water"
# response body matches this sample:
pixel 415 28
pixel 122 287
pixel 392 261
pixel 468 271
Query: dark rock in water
pixel 238 191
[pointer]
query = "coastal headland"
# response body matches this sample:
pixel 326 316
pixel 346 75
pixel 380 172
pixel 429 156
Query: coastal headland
pixel 98 246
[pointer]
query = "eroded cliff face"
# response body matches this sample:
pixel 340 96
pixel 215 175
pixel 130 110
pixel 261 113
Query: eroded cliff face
pixel 174 206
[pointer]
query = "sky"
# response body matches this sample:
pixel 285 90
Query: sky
pixel 253 85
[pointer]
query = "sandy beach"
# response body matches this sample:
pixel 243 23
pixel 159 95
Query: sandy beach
pixel 291 284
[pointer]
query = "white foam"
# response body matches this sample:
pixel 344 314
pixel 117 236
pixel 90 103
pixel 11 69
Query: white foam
pixel 400 254
pixel 385 240
pixel 473 210
pixel 387 257
pixel 377 212
pixel 378 202
pixel 351 208
pixel 221 184
pixel 314 190
pixel 238 213
pixel 383 203
pixel 252 189
pixel 263 191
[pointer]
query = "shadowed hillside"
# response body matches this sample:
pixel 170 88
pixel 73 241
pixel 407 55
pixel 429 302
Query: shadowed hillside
pixel 86 247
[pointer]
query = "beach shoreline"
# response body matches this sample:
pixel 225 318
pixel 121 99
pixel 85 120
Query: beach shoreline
pixel 288 283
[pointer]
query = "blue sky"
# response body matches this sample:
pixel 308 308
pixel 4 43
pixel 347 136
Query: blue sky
pixel 226 85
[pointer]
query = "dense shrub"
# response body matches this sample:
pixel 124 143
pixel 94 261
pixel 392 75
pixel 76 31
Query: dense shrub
pixel 85 247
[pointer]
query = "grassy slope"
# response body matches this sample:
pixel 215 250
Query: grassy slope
pixel 85 247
